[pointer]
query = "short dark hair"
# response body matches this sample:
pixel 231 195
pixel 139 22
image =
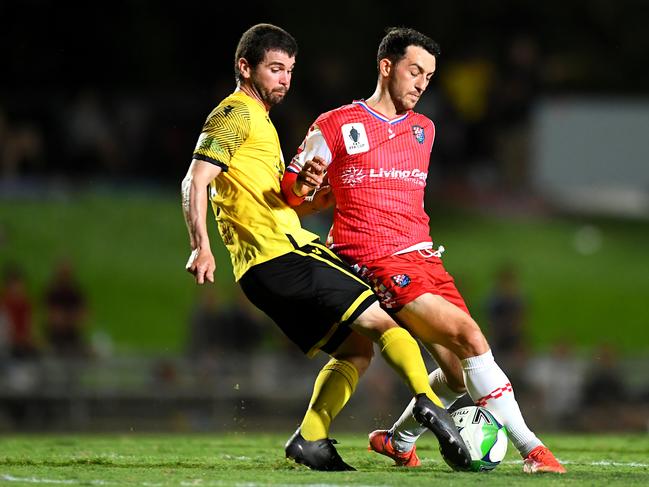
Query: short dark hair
pixel 397 39
pixel 261 38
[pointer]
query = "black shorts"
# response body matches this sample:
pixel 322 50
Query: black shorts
pixel 311 294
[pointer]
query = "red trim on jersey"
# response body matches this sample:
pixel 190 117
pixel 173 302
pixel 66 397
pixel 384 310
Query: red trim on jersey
pixel 287 189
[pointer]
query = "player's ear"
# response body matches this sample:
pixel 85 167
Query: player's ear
pixel 244 68
pixel 385 67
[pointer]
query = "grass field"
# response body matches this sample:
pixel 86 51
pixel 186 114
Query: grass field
pixel 257 460
pixel 582 276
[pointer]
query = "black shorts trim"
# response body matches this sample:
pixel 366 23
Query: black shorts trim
pixel 311 294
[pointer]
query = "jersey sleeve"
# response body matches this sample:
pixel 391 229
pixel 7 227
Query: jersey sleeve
pixel 224 131
pixel 314 144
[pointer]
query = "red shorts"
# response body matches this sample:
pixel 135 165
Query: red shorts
pixel 400 279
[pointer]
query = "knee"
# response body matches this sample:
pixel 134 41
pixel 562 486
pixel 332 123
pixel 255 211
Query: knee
pixel 360 358
pixel 476 342
pixel 455 381
pixel 361 363
pixel 470 340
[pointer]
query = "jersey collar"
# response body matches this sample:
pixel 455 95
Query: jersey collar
pixel 379 115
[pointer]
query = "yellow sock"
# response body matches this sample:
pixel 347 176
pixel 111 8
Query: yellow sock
pixel 401 351
pixel 332 389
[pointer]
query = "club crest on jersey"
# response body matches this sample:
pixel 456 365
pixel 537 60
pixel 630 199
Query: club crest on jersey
pixel 355 138
pixel 418 132
pixel 401 280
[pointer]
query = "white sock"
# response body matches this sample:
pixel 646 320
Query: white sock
pixel 489 387
pixel 406 430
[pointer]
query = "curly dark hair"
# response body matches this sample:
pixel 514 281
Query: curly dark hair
pixel 397 39
pixel 261 38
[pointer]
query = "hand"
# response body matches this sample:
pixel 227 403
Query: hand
pixel 311 176
pixel 202 265
pixel 323 198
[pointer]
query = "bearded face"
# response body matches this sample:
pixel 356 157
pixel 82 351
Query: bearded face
pixel 409 78
pixel 270 95
pixel 271 78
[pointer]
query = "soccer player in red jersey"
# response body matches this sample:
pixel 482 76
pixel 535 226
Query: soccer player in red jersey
pixel 304 287
pixel 375 154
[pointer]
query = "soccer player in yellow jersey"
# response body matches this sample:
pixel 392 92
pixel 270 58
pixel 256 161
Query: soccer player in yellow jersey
pixel 305 288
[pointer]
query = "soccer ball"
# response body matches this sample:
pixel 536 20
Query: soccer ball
pixel 483 434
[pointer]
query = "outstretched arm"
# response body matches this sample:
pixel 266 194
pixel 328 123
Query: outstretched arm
pixel 201 262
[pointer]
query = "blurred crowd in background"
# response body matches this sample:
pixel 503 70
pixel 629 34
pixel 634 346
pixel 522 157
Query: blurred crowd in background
pixel 116 94
pixel 61 376
pixel 122 91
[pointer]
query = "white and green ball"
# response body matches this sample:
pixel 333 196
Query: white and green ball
pixel 484 435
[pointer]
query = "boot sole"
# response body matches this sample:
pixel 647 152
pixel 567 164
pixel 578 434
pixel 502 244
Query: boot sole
pixel 451 448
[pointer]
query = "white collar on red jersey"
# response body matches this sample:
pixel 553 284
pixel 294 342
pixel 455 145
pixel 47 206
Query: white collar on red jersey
pixel 379 115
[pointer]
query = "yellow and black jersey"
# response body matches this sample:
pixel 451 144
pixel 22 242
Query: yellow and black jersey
pixel 254 221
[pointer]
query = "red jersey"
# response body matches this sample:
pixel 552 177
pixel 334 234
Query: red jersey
pixel 377 171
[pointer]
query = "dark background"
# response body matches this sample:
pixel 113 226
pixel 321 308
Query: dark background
pixel 154 70
pixel 100 107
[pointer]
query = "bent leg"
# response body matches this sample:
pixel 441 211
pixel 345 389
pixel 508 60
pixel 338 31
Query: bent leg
pixel 447 382
pixel 398 348
pixel 335 384
pixel 435 320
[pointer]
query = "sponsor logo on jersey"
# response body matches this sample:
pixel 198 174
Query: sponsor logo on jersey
pixel 401 280
pixel 352 176
pixel 394 173
pixel 419 133
pixel 355 138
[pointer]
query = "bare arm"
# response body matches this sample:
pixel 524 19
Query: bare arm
pixel 201 262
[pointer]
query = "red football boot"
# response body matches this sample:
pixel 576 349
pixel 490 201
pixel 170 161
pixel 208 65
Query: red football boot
pixel 380 442
pixel 542 460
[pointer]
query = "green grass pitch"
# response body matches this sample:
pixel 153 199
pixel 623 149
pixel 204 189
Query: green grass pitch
pixel 126 243
pixel 255 459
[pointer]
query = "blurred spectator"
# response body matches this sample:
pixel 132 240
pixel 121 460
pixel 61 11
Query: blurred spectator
pixel 603 385
pixel 512 102
pixel 606 394
pixel 557 380
pixel 467 83
pixel 20 372
pixel 91 139
pixel 65 313
pixel 16 314
pixel 132 115
pixel 21 146
pixel 506 312
pixel 218 328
